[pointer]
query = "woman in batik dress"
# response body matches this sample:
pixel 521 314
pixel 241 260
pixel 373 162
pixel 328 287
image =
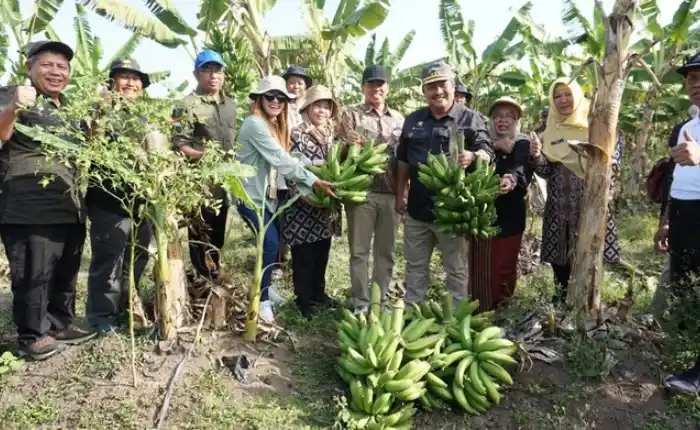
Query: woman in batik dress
pixel 557 160
pixel 309 229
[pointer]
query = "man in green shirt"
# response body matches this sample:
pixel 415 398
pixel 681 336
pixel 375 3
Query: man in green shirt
pixel 42 227
pixel 211 116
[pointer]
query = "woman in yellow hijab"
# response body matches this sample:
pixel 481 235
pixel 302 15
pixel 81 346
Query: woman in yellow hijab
pixel 557 161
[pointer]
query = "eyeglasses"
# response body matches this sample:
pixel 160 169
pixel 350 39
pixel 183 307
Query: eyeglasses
pixel 214 71
pixel 271 97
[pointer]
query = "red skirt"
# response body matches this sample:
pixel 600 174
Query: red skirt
pixel 493 269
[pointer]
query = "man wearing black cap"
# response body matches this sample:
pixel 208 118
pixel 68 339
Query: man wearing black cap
pixel 462 95
pixel 373 120
pixel 42 227
pixel 214 121
pixel 680 222
pixel 110 223
pixel 298 81
pixel 428 130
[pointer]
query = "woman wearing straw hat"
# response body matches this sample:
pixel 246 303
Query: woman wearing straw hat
pixel 308 229
pixel 264 144
pixel 493 262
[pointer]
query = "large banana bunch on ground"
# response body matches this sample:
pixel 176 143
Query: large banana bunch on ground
pixel 467 367
pixel 464 202
pixel 382 389
pixel 351 176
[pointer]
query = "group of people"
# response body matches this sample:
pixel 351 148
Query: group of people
pixel 292 123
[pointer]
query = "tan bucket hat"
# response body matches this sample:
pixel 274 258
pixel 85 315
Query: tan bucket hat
pixel 271 83
pixel 505 100
pixel 317 93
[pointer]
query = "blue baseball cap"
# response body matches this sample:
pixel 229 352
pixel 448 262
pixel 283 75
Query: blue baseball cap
pixel 208 56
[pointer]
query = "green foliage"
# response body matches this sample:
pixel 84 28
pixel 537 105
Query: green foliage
pixel 9 363
pixel 129 146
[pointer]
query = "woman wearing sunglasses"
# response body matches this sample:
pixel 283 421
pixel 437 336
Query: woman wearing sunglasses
pixel 264 144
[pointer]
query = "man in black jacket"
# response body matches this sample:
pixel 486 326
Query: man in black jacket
pixel 680 223
pixel 425 131
pixel 111 224
pixel 42 225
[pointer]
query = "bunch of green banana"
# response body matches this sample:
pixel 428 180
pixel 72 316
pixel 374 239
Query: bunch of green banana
pixel 382 390
pixel 371 159
pixel 350 176
pixel 467 368
pixel 464 202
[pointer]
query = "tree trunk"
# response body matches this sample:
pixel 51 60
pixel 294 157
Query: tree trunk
pixel 171 286
pixel 584 291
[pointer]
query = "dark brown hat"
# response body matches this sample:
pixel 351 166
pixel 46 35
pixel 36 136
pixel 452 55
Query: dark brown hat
pixel 124 64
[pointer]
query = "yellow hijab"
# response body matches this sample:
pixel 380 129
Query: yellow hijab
pixel 573 127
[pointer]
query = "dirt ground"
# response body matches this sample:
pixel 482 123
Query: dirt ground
pixel 291 384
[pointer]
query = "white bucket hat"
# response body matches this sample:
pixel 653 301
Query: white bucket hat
pixel 271 83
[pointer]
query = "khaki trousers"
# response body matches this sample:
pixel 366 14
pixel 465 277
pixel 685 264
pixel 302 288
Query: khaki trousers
pixel 420 238
pixel 377 218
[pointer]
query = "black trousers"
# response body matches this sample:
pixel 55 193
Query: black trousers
pixel 207 235
pixel 108 276
pixel 562 274
pixel 309 262
pixel 44 263
pixel 684 243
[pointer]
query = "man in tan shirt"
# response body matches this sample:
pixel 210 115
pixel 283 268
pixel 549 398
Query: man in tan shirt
pixel 373 120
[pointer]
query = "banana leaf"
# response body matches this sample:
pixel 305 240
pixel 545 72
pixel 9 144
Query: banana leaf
pixel 41 135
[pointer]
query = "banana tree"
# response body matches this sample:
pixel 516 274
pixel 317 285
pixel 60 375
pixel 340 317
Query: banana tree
pixel 89 55
pixel 328 43
pixel 168 187
pixel 162 25
pixel 480 73
pixel 661 51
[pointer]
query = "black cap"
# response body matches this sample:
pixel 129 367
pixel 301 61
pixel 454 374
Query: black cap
pixel 34 48
pixel 689 64
pixel 375 73
pixel 298 71
pixel 129 65
pixel 459 89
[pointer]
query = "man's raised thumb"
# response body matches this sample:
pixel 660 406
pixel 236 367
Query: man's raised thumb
pixel 27 82
pixel 687 136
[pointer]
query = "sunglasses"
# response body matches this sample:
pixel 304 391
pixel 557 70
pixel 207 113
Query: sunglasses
pixel 271 97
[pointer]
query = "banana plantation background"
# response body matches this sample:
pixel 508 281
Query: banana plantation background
pixel 602 384
pixel 521 61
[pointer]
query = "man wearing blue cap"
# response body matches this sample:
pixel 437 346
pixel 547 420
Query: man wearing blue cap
pixel 207 115
pixel 428 131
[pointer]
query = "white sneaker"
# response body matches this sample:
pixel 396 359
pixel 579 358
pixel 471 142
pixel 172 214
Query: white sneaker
pixel 275 297
pixel 266 313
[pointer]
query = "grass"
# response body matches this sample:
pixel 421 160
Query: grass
pixel 295 385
